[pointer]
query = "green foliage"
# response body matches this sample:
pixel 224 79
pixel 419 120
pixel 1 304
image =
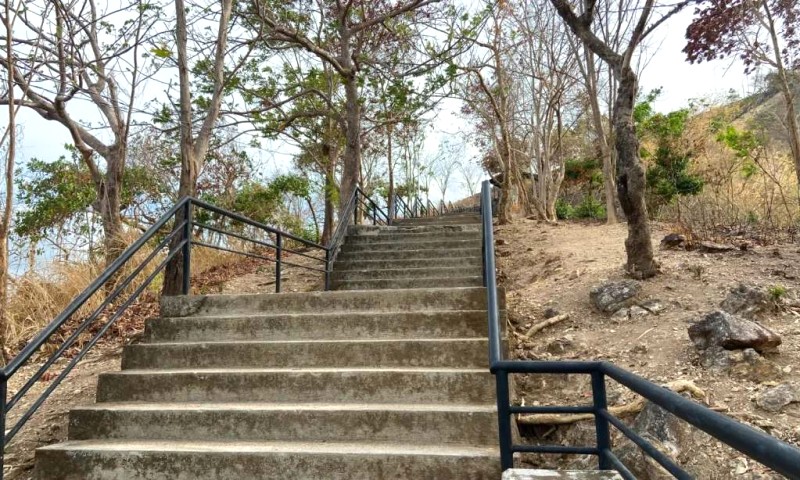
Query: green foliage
pixel 583 171
pixel 57 193
pixel 564 211
pixel 668 174
pixel 777 292
pixel 745 144
pixel 590 207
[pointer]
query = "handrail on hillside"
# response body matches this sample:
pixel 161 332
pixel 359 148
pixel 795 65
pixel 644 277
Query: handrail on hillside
pixel 771 452
pixel 188 229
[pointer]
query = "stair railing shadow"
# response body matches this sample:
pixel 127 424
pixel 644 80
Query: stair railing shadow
pixel 759 446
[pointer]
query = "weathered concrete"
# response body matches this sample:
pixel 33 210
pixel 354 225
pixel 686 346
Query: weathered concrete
pixel 433 424
pixel 393 273
pixel 399 283
pixel 448 353
pixel 524 474
pixel 411 254
pixel 180 460
pixel 470 298
pixel 324 385
pixel 319 326
pixel 386 383
pixel 404 245
pixel 391 264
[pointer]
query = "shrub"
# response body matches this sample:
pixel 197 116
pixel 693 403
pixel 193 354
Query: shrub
pixel 590 207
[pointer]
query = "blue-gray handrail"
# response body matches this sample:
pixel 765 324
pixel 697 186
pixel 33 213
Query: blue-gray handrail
pixel 183 227
pixel 771 452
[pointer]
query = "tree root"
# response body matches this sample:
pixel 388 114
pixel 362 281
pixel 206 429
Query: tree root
pixel 634 407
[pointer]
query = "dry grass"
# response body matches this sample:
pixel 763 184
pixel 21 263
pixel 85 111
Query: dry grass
pixel 36 298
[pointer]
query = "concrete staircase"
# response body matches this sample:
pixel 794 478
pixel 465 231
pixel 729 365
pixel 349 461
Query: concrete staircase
pixel 386 378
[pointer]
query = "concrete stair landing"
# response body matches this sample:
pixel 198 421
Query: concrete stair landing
pixel 386 378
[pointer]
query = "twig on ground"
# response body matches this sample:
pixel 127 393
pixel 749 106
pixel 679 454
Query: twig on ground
pixel 542 325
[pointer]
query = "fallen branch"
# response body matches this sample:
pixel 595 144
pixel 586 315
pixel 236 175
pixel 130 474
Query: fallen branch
pixel 635 406
pixel 542 325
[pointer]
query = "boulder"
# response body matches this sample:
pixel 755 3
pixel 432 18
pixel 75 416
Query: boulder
pixel 747 301
pixel 775 398
pixel 669 434
pixel 611 296
pixel 749 364
pixel 673 240
pixel 730 332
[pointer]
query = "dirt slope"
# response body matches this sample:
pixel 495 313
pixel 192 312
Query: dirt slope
pixel 555 266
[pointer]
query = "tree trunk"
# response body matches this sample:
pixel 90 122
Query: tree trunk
pixel 109 205
pixel 329 220
pixel 352 149
pixel 390 204
pixel 173 275
pixel 631 180
pixel 609 167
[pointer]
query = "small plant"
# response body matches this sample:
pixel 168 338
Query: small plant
pixel 776 293
pixel 590 208
pixel 564 211
pixel 697 271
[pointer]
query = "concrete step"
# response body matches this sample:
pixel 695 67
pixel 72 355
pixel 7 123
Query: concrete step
pixel 394 273
pixel 324 385
pixel 405 245
pixel 183 460
pixel 400 283
pixel 410 254
pixel 409 300
pixel 537 474
pixel 427 229
pixel 358 264
pixel 396 236
pixel 435 424
pixel 442 220
pixel 448 353
pixel 319 326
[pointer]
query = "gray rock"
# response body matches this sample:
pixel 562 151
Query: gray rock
pixel 560 345
pixel 711 247
pixel 721 329
pixel 749 364
pixel 747 301
pixel 612 296
pixel 550 312
pixel 775 398
pixel 654 306
pixel 666 432
pixel 673 240
pixel 637 312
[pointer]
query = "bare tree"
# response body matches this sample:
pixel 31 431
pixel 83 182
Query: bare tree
pixel 630 173
pixel 66 53
pixel 543 74
pixel 194 145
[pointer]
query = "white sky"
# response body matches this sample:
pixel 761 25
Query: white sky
pixel 679 81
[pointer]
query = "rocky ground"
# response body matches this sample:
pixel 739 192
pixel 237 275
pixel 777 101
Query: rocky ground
pixel 721 324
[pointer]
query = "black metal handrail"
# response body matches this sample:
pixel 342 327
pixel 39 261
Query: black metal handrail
pixel 184 227
pixel 771 452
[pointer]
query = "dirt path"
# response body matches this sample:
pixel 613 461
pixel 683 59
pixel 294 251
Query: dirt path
pixel 555 266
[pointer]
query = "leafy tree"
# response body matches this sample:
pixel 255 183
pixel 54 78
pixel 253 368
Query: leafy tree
pixel 670 157
pixel 761 33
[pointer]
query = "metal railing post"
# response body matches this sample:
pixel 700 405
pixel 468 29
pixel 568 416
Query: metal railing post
pixel 3 403
pixel 600 422
pixel 504 419
pixel 279 243
pixel 187 249
pixel 327 270
pixel 374 214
